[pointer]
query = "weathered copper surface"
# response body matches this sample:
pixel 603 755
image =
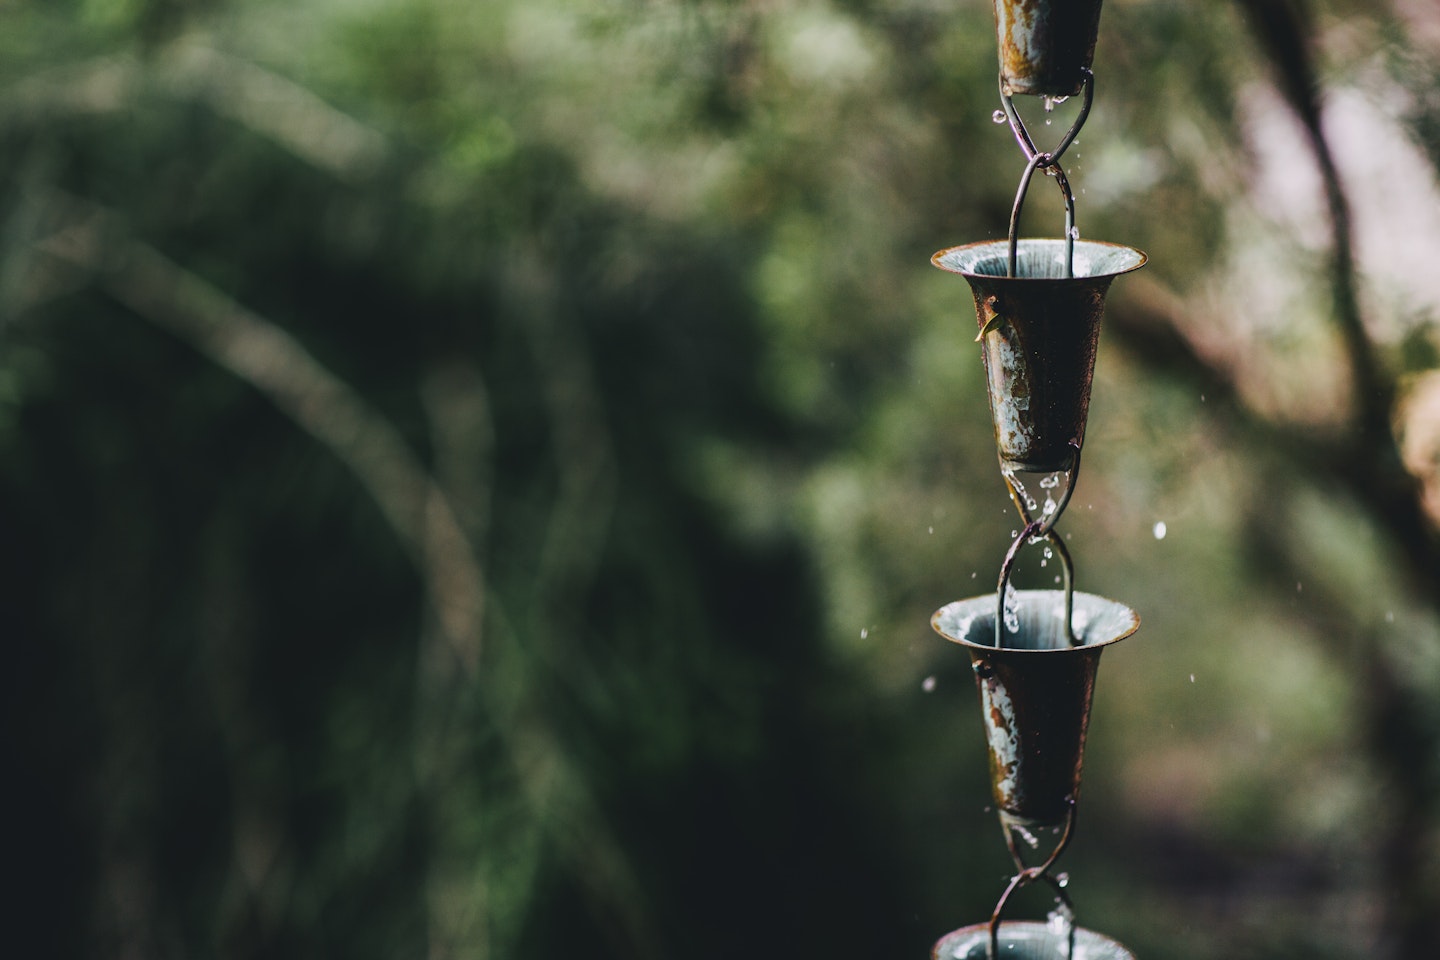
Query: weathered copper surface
pixel 1045 45
pixel 1040 330
pixel 1035 692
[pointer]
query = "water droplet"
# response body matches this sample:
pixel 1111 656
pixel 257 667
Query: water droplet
pixel 1160 530
pixel 928 684
pixel 1012 609
pixel 1060 921
pixel 1389 616
pixel 932 529
pixel 1074 233
pixel 864 632
pixel 1063 880
pixel 1299 587
pixel 1014 534
pixel 973 574
pixel 1192 678
pixel 998 116
pixel 1051 481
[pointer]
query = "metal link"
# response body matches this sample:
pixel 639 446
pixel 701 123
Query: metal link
pixel 1028 875
pixel 1050 163
pixel 1033 530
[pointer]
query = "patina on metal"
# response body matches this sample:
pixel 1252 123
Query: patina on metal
pixel 1028 940
pixel 1040 330
pixel 1035 692
pixel 1045 45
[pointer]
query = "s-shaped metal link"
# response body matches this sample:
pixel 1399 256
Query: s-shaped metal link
pixel 1028 875
pixel 1050 162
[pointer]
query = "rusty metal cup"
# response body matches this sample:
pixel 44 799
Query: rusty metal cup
pixel 1035 692
pixel 1040 330
pixel 1045 45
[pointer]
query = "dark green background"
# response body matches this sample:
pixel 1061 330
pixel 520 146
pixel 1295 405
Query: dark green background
pixel 611 326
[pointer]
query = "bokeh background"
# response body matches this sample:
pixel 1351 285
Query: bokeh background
pixel 475 477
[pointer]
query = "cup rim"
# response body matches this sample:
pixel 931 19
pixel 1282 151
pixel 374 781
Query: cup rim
pixel 1020 930
pixel 962 259
pixel 985 611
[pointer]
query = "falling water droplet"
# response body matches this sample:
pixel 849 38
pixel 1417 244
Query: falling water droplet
pixel 1050 104
pixel 998 116
pixel 1192 678
pixel 1389 616
pixel 1012 609
pixel 1160 530
pixel 1062 880
pixel 1074 233
pixel 932 529
pixel 864 632
pixel 928 684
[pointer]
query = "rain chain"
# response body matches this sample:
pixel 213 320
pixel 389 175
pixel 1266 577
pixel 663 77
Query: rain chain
pixel 1034 653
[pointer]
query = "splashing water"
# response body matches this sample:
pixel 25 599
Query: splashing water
pixel 1060 921
pixel 1012 609
pixel 998 116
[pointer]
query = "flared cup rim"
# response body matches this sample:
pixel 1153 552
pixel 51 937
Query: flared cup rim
pixel 988 259
pixel 978 616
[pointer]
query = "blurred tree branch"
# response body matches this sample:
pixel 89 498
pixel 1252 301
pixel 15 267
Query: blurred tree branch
pixel 428 525
pixel 270 359
pixel 1364 461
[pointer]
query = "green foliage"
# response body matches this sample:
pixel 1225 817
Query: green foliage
pixel 476 478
